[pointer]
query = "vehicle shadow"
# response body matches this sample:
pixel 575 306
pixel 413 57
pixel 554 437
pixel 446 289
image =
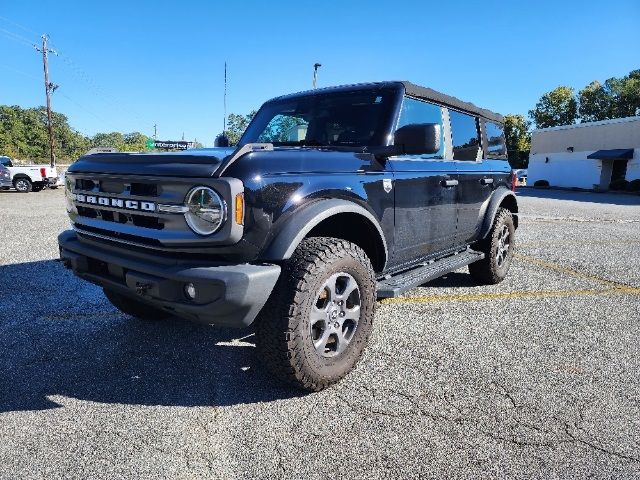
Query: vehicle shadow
pixel 453 280
pixel 60 337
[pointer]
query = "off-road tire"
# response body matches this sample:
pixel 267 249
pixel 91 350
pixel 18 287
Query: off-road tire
pixel 283 329
pixel 22 185
pixel 488 271
pixel 37 187
pixel 133 307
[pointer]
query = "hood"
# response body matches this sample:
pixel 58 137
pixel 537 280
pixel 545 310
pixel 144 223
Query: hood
pixel 189 163
pixel 290 160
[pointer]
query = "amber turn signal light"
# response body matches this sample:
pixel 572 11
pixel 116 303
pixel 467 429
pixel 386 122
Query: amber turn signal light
pixel 239 209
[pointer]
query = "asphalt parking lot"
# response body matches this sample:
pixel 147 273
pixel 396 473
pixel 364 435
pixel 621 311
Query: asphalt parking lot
pixel 538 377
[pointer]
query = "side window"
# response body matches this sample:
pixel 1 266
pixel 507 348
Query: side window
pixel 496 144
pixel 417 111
pixel 464 133
pixel 284 128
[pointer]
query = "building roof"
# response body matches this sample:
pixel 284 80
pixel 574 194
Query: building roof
pixel 589 124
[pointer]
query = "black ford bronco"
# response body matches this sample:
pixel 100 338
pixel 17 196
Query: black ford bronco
pixel 333 198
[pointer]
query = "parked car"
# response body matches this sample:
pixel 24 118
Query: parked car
pixel 28 178
pixel 521 176
pixel 5 178
pixel 333 199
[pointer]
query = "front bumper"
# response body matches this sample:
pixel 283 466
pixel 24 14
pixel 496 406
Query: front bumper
pixel 227 295
pixel 5 182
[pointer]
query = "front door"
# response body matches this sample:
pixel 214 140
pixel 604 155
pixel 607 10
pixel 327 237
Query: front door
pixel 425 193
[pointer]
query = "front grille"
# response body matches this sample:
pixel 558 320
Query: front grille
pixel 122 218
pixel 144 189
pixel 124 208
pixel 123 189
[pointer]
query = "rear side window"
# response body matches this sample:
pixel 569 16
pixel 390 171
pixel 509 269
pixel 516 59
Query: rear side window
pixel 496 144
pixel 465 138
pixel 417 111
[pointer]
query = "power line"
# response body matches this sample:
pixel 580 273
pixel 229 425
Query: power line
pixel 96 88
pixel 33 77
pixel 16 24
pixel 15 37
pixel 61 93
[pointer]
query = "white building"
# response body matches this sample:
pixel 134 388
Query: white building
pixel 587 155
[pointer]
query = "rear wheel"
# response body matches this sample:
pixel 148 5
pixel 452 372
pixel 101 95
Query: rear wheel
pixel 22 185
pixel 36 187
pixel 498 248
pixel 318 320
pixel 133 307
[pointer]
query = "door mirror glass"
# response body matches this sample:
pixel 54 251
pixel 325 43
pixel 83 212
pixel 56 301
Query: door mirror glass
pixel 418 138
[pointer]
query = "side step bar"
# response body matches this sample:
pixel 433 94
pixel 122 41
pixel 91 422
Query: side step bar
pixel 401 282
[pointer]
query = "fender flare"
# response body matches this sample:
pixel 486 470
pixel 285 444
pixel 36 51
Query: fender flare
pixel 304 220
pixel 492 208
pixel 18 176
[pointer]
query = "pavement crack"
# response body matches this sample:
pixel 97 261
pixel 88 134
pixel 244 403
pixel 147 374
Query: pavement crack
pixel 594 446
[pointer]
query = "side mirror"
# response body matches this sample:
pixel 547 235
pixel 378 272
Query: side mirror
pixel 418 138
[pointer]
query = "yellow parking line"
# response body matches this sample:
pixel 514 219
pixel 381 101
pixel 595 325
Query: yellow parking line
pixel 474 297
pixel 569 271
pixel 578 242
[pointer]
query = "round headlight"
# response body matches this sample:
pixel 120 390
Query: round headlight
pixel 207 211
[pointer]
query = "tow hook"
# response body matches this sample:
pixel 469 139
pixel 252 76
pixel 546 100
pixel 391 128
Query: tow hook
pixel 141 288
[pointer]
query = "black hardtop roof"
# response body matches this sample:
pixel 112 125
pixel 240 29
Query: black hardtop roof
pixel 412 90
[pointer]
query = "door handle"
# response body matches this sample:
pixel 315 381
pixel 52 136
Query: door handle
pixel 486 181
pixel 449 183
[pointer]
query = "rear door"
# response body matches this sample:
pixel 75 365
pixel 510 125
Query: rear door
pixel 475 180
pixel 425 194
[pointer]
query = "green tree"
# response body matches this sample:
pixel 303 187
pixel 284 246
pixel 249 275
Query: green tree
pixel 24 135
pixel 557 107
pixel 596 102
pixel 236 125
pixel 625 92
pixel 108 140
pixel 518 138
pixel 135 142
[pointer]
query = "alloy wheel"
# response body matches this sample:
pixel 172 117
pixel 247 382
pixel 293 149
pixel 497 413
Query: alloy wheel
pixel 335 314
pixel 502 250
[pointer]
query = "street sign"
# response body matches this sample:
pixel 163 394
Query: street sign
pixel 150 144
pixel 173 145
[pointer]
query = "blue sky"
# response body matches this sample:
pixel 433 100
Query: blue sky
pixel 126 65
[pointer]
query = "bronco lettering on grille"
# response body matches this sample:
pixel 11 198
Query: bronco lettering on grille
pixel 115 202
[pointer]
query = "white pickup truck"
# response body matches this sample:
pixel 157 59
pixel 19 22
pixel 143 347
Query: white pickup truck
pixel 30 178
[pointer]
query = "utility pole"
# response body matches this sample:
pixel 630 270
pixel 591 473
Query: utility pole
pixel 155 132
pixel 49 88
pixel 316 66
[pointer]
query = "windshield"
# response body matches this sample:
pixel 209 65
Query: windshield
pixel 348 119
pixel 6 161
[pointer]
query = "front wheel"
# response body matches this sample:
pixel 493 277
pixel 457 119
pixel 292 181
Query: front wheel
pixel 498 248
pixel 318 320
